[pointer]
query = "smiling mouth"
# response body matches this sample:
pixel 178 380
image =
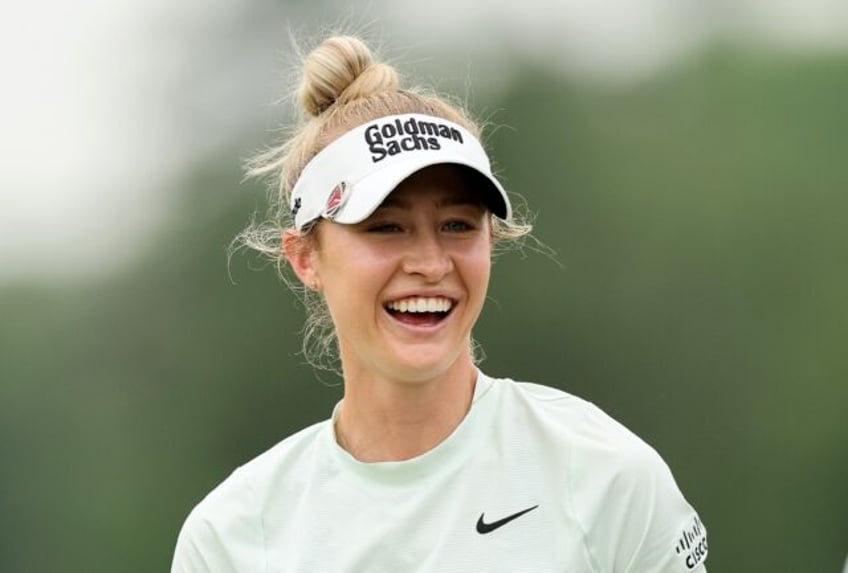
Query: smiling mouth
pixel 420 311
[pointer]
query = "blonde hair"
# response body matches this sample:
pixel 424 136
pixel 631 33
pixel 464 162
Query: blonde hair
pixel 342 86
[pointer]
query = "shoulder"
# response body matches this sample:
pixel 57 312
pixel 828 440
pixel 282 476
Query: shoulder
pixel 577 435
pixel 583 425
pixel 228 519
pixel 602 452
pixel 615 485
pixel 251 481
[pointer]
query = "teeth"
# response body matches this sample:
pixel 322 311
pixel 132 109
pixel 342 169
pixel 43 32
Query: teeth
pixel 421 304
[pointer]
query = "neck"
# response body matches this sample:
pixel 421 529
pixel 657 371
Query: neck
pixel 390 420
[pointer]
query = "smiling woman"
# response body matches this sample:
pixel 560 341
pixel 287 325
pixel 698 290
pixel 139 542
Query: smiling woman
pixel 420 265
pixel 389 216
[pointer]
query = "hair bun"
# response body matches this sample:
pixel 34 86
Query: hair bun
pixel 342 69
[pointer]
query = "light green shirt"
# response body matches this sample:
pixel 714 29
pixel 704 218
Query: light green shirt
pixel 533 479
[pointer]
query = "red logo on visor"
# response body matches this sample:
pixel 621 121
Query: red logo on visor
pixel 336 200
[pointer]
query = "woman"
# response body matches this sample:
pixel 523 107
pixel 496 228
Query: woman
pixel 426 464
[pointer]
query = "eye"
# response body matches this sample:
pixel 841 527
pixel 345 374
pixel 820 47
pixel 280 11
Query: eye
pixel 385 228
pixel 457 226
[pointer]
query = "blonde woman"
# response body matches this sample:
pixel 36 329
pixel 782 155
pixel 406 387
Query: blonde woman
pixel 427 463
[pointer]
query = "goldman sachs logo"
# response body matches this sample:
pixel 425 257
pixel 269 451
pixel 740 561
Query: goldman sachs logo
pixel 393 137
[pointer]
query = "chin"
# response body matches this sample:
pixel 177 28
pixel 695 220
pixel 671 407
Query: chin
pixel 421 364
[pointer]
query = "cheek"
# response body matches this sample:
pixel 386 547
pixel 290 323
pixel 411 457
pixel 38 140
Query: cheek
pixel 477 267
pixel 352 281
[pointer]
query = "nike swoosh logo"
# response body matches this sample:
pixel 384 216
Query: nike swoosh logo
pixel 483 528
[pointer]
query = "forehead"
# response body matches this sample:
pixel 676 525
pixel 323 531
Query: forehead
pixel 443 184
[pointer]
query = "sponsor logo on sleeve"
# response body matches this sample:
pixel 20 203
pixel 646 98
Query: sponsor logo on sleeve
pixel 692 545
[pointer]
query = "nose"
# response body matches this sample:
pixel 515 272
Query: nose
pixel 427 257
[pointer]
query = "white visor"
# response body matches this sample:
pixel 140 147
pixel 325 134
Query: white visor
pixel 351 177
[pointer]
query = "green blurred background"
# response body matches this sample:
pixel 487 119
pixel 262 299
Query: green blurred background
pixel 698 291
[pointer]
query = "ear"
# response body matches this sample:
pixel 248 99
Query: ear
pixel 300 253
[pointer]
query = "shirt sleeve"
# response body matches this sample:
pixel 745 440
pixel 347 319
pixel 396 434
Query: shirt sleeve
pixel 199 550
pixel 222 534
pixel 634 517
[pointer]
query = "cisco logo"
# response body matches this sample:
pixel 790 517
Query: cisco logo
pixel 692 545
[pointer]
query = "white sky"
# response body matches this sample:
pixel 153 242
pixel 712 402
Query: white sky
pixel 105 102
